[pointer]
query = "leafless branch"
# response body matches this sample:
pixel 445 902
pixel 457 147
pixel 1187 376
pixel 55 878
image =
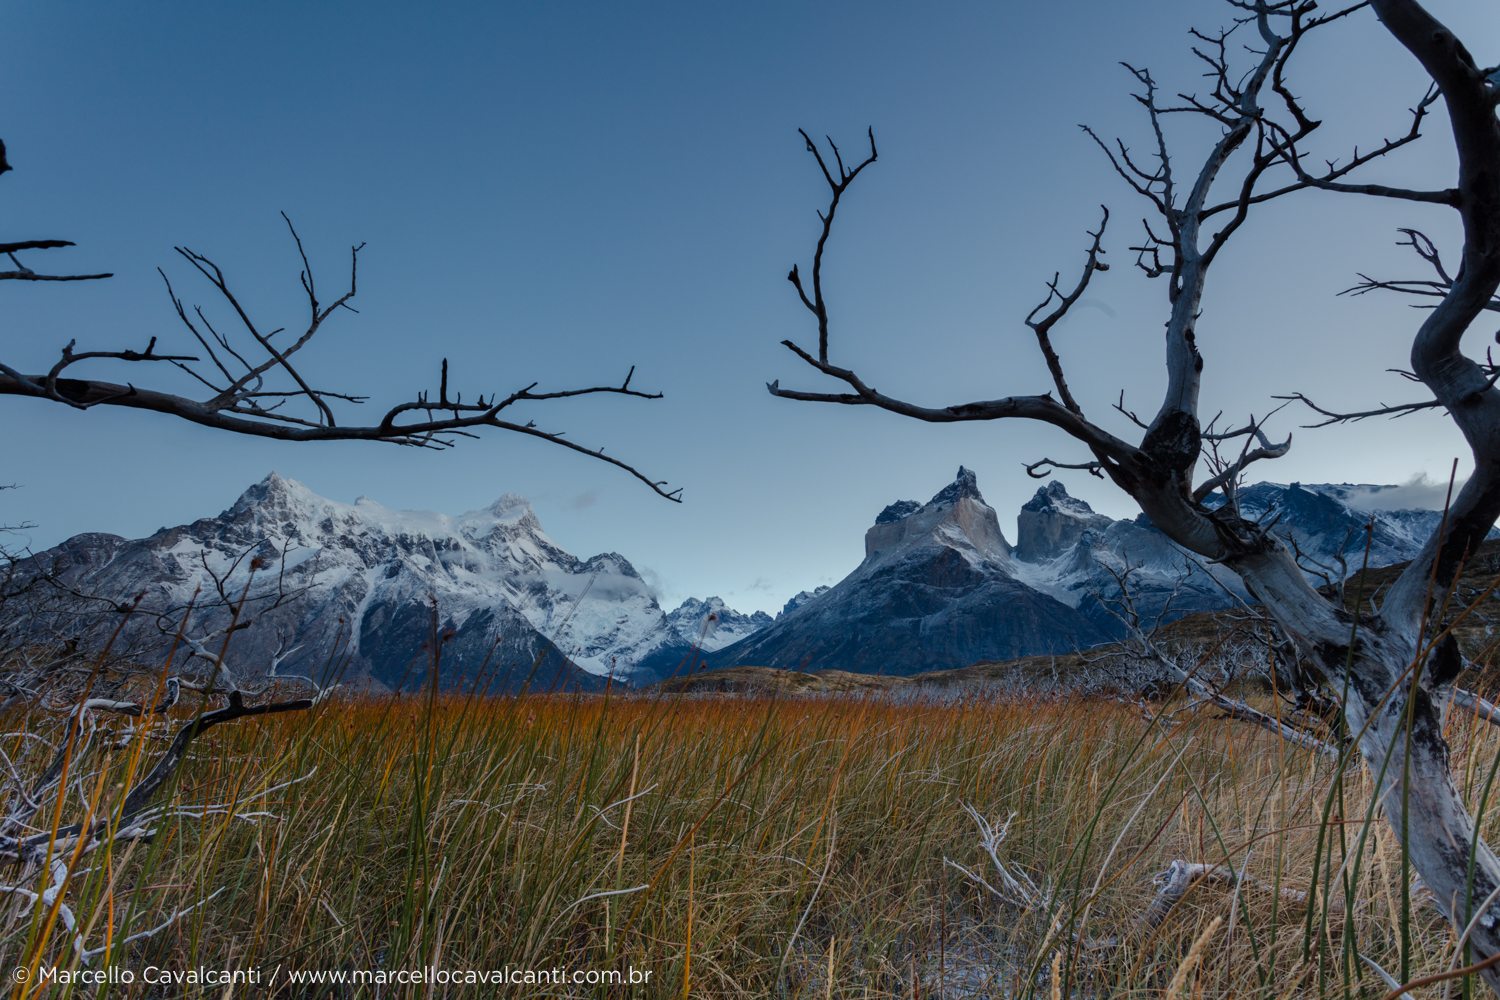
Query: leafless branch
pixel 1044 407
pixel 1043 468
pixel 252 378
pixel 1056 305
pixel 839 179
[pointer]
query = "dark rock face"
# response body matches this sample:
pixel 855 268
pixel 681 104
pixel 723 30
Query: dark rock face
pixel 493 651
pixel 797 600
pixel 897 511
pixel 934 611
pixel 964 486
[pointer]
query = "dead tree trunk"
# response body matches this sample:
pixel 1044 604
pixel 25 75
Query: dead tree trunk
pixel 1393 705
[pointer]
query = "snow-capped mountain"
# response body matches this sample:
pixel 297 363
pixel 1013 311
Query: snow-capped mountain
pixel 710 625
pixel 940 586
pixel 510 602
pixel 1092 562
pixel 1327 523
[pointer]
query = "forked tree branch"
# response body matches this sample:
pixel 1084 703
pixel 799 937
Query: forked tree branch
pixel 1064 414
pixel 839 178
pixel 1042 319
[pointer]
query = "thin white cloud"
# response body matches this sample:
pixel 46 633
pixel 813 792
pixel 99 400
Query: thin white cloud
pixel 1417 493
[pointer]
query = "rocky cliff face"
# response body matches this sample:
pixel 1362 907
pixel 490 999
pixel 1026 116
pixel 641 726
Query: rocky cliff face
pixel 514 608
pixel 802 597
pixel 937 588
pixel 1052 522
pixel 1327 522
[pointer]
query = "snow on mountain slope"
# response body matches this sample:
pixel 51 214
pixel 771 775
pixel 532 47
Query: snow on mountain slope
pixel 597 611
pixel 1081 557
pixel 1327 522
pixel 492 574
pixel 709 624
pixel 940 585
pixel 800 598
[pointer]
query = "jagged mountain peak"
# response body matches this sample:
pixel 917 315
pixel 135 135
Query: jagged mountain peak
pixel 803 597
pixel 509 516
pixel 1052 522
pixel 273 490
pixel 510 507
pixel 708 624
pixel 285 508
pixel 965 484
pixel 707 604
pixel 717 607
pixel 1054 496
pixel 955 518
pixel 938 586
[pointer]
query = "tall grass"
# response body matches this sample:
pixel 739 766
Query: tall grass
pixel 741 847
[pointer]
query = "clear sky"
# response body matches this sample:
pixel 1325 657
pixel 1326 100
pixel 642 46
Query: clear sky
pixel 556 191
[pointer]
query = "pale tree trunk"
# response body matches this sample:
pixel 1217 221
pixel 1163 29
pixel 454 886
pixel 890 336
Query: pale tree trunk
pixel 1403 746
pixel 1392 703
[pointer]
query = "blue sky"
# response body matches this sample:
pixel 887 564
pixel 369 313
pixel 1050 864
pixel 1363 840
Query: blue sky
pixel 557 191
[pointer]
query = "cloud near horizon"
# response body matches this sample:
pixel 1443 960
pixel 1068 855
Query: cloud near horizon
pixel 1420 492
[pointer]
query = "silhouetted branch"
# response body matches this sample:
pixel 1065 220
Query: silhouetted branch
pixel 1042 323
pixel 251 376
pixel 1043 468
pixel 1065 415
pixel 1354 416
pixel 838 180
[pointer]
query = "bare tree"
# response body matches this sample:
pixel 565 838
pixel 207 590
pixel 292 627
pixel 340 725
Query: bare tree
pixel 250 378
pixel 1390 669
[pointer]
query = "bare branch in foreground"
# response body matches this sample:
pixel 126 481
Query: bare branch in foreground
pixel 246 377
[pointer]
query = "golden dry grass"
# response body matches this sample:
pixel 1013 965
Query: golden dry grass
pixel 788 847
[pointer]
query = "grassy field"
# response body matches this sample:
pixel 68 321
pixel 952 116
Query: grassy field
pixel 750 848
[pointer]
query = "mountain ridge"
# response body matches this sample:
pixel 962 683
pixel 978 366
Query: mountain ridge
pixel 941 587
pixel 501 588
